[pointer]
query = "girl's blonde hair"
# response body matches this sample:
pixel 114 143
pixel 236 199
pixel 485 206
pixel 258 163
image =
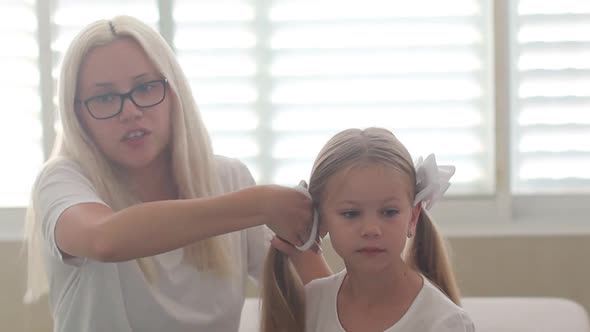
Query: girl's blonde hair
pixel 190 148
pixel 282 296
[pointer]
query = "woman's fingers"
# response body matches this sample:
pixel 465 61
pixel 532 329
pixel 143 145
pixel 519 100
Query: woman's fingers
pixel 283 246
pixel 289 214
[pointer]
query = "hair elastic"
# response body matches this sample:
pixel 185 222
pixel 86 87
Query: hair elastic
pixel 302 188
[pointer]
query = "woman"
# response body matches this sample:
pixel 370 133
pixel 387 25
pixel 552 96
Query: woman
pixel 135 222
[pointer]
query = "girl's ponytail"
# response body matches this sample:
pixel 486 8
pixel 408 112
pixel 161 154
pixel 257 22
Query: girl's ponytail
pixel 283 306
pixel 428 255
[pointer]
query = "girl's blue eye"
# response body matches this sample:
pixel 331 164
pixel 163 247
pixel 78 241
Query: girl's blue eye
pixel 350 214
pixel 390 212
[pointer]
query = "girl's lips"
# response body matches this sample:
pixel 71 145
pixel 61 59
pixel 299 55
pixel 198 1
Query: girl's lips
pixel 370 250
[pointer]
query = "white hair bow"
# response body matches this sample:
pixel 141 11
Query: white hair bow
pixel 432 180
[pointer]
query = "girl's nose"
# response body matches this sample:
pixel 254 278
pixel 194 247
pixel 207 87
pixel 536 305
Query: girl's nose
pixel 370 228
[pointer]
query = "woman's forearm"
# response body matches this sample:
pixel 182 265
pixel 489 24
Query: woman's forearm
pixel 151 228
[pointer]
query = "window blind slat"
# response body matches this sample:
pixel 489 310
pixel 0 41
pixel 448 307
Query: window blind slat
pixel 21 134
pixel 216 45
pixel 551 119
pixel 302 70
pixel 420 72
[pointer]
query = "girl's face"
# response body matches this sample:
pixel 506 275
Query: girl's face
pixel 136 137
pixel 368 212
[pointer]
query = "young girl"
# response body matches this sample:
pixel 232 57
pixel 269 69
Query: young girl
pixel 134 224
pixel 371 200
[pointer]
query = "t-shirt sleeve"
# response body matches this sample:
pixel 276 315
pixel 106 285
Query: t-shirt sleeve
pixel 457 322
pixel 61 185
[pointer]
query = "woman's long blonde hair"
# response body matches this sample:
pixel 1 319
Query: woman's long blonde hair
pixel 190 148
pixel 282 297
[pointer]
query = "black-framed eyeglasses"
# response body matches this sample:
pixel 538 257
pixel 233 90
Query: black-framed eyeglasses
pixel 144 95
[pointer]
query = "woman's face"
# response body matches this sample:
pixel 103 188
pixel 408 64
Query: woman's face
pixel 137 136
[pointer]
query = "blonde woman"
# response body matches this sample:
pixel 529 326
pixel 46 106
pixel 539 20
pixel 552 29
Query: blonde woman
pixel 372 201
pixel 134 224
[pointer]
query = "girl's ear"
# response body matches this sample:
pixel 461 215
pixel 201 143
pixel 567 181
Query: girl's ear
pixel 322 229
pixel 416 210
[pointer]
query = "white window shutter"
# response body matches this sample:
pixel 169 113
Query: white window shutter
pixel 418 68
pixel 216 43
pixel 71 16
pixel 21 131
pixel 551 97
pixel 276 79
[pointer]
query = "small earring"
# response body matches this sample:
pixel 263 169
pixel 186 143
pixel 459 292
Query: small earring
pixel 410 234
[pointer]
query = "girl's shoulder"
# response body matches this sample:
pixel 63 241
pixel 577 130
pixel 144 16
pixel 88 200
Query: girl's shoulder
pixel 320 301
pixel 326 284
pixel 433 305
pixel 434 295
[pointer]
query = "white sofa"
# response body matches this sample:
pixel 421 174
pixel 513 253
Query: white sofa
pixel 526 314
pixel 492 314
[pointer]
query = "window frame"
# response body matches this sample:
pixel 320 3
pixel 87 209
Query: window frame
pixel 501 213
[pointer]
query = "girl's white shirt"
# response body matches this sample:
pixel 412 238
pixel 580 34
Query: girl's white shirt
pixel 431 310
pixel 91 296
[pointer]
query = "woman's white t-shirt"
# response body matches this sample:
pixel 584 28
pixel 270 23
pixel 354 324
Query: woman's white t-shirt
pixel 431 311
pixel 91 296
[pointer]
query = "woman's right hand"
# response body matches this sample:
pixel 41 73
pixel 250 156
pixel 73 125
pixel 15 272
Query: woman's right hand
pixel 288 213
